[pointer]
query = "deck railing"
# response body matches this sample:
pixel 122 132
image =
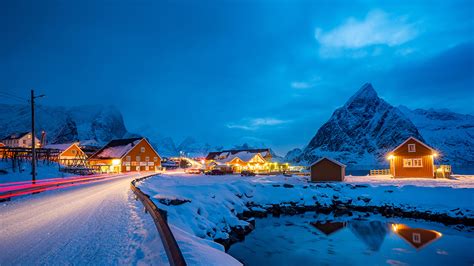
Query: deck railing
pixel 380 172
pixel 175 257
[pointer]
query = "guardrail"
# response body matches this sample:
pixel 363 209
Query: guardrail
pixel 380 172
pixel 175 257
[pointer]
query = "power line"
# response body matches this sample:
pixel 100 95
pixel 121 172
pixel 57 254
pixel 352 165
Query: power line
pixel 7 94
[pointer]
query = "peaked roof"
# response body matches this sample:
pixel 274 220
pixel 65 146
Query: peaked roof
pixel 16 136
pixel 329 159
pixel 415 139
pixel 116 148
pixel 328 228
pixel 61 147
pixel 212 155
pixel 407 233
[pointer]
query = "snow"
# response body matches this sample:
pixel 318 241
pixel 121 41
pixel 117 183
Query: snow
pixel 215 201
pixel 43 171
pixel 61 147
pixel 116 151
pixel 97 224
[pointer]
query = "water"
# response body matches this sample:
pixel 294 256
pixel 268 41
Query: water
pixel 312 239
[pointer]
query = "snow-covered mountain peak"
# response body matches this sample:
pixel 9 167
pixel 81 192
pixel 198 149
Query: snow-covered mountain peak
pixel 364 94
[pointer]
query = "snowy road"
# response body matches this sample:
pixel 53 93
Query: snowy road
pixel 97 224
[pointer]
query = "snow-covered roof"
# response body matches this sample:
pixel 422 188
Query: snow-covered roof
pixel 329 159
pixel 116 148
pixel 218 155
pixel 415 139
pixel 16 136
pixel 61 147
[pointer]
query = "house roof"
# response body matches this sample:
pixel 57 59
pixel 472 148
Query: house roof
pixel 16 136
pixel 61 147
pixel 415 139
pixel 213 155
pixel 116 148
pixel 329 159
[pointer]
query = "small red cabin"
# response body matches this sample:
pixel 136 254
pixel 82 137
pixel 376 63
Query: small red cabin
pixel 412 158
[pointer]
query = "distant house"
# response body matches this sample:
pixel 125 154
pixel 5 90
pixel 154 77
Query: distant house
pixel 70 153
pixel 246 159
pixel 326 169
pixel 416 237
pixel 412 158
pixel 20 140
pixel 126 155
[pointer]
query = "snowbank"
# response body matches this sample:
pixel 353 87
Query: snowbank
pixel 209 207
pixel 43 171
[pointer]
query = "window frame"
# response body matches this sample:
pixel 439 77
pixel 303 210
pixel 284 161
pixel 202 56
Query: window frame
pixel 411 147
pixel 142 149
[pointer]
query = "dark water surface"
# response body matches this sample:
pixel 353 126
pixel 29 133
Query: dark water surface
pixel 318 239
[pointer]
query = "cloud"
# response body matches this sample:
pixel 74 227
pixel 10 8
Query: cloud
pixel 306 84
pixel 301 85
pixel 378 28
pixel 256 123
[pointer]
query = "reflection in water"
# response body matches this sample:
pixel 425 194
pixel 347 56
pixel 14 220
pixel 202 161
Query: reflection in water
pixel 357 240
pixel 416 237
pixel 328 228
pixel 372 233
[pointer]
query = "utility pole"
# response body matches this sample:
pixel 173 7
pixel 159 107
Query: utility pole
pixel 33 142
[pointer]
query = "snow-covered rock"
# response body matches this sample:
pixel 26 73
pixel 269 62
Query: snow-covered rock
pixel 450 133
pixel 65 124
pixel 361 131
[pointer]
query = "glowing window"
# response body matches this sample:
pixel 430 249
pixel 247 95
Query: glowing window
pixel 416 238
pixel 147 159
pixel 128 158
pixel 137 158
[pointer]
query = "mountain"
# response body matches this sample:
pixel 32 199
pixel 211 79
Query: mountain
pixel 65 124
pixel 292 155
pixel 452 134
pixel 360 132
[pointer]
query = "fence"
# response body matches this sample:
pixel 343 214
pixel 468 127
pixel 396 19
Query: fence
pixel 380 172
pixel 175 257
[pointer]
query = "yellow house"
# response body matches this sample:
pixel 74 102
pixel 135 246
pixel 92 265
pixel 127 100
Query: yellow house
pixel 70 153
pixel 239 160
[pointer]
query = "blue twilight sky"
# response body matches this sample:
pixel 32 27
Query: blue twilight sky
pixel 228 72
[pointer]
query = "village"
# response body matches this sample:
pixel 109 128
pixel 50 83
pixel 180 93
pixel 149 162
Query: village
pixel 411 159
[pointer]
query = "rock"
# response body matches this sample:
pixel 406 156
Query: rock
pixel 288 186
pixel 173 202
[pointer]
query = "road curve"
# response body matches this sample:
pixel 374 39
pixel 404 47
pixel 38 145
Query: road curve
pixel 90 224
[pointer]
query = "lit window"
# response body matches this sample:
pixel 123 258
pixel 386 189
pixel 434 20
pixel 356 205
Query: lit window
pixel 29 136
pixel 411 163
pixel 142 149
pixel 411 148
pixel 147 159
pixel 137 158
pixel 417 162
pixel 416 238
pixel 407 162
pixel 128 158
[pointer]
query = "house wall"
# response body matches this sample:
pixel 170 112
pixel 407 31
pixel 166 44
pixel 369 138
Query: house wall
pixel 71 155
pixel 130 162
pixel 396 163
pixel 24 142
pixel 326 170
